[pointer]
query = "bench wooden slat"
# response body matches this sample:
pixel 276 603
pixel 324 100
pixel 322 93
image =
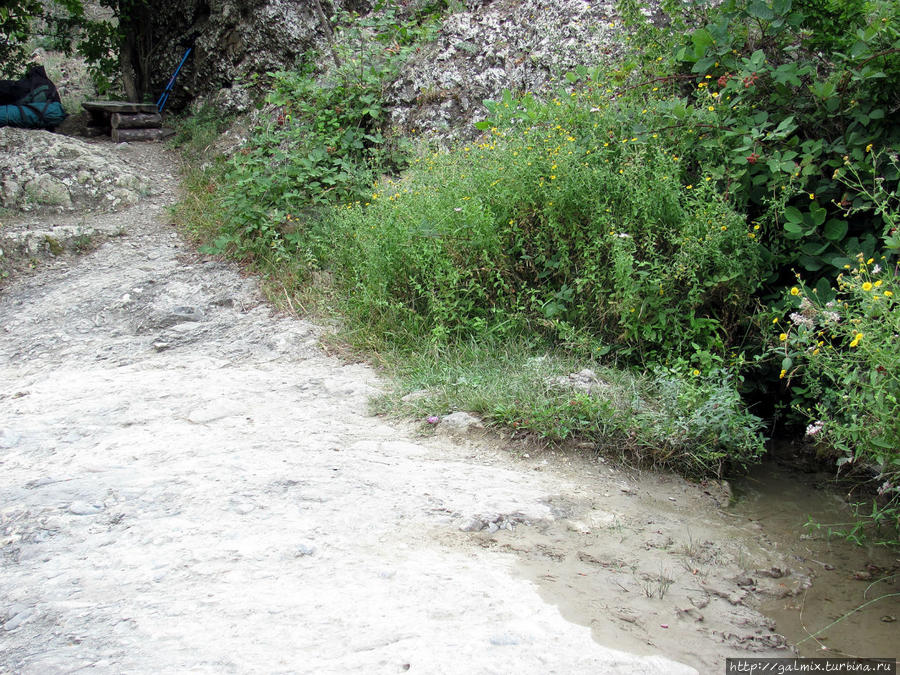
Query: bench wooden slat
pixel 119 107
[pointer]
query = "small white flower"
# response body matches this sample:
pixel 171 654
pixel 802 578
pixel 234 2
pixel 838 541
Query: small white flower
pixel 800 320
pixel 815 428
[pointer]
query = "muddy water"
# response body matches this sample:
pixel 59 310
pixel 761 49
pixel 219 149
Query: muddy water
pixel 853 605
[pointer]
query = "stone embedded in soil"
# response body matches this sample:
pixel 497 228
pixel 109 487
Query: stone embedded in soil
pixel 460 422
pixel 84 509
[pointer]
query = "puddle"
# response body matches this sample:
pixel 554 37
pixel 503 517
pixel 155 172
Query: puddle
pixel 853 605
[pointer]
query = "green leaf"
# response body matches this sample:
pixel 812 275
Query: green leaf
pixel 759 10
pixel 793 230
pixel 781 7
pixel 483 125
pixel 817 214
pixel 814 248
pixel 835 230
pixel 786 126
pixel 786 363
pixel 793 214
pixel 811 264
pixel 702 39
pixel 703 64
pixel 786 74
pixel 822 89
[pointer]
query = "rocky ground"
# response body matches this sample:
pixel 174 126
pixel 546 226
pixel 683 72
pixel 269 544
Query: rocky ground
pixel 191 485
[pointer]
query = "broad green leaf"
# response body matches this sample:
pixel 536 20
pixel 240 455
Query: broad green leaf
pixel 817 214
pixel 759 10
pixel 810 263
pixel 814 248
pixel 793 214
pixel 835 229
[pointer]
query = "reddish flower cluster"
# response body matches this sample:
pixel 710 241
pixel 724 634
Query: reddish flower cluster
pixel 750 81
pixel 752 158
pixel 723 80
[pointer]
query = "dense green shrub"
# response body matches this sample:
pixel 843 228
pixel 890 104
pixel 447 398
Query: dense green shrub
pixel 562 223
pixel 323 139
pixel 773 100
pixel 840 357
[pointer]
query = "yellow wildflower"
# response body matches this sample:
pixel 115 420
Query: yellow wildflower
pixel 795 291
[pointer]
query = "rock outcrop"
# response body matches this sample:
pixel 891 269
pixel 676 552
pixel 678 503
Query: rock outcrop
pixel 231 41
pixel 492 46
pixel 484 48
pixel 43 171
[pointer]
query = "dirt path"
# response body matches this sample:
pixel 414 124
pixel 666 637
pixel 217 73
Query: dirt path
pixel 190 485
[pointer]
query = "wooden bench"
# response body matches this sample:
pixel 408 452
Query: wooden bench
pixel 124 121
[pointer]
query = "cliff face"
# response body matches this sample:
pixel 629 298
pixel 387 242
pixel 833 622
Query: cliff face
pixel 491 46
pixel 231 39
pixel 485 47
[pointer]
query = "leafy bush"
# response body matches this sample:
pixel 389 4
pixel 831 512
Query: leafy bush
pixel 841 350
pixel 762 107
pixel 558 221
pixel 322 140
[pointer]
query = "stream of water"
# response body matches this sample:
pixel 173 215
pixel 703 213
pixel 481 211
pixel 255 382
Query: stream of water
pixel 853 605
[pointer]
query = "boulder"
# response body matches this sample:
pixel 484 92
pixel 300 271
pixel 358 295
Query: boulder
pixel 43 171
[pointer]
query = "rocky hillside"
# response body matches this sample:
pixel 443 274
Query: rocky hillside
pixel 492 46
pixel 483 48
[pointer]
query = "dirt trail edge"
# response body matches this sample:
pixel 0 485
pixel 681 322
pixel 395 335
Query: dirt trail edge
pixel 188 484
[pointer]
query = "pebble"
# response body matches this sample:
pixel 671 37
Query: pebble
pixel 84 509
pixel 304 550
pixel 472 525
pixel 19 615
